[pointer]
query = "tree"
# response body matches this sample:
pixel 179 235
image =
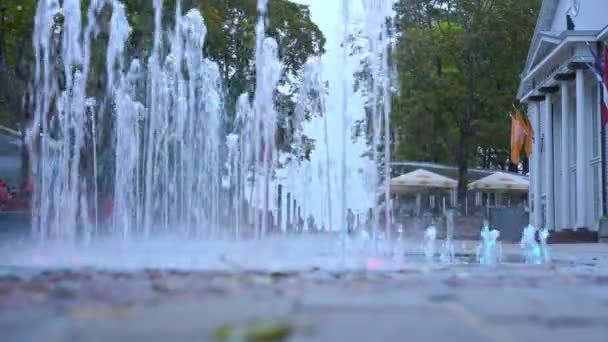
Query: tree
pixel 459 63
pixel 230 42
pixel 16 27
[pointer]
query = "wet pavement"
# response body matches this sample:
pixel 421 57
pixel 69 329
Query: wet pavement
pixel 563 301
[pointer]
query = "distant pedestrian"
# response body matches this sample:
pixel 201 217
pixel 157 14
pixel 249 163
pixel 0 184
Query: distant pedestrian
pixel 350 221
pixel 270 224
pixel 27 188
pixel 311 224
pixel 5 196
pixel 369 221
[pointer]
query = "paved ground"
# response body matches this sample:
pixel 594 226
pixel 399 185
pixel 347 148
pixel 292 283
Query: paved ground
pixel 564 301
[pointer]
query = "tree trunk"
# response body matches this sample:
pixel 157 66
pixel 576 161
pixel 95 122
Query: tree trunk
pixel 25 160
pixel 24 123
pixel 465 127
pixel 463 167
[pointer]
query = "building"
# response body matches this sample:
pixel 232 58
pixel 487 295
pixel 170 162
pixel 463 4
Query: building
pixel 564 105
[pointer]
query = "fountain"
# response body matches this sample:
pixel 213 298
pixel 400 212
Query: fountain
pixel 311 103
pixel 379 100
pixel 400 247
pixel 489 251
pixel 150 156
pixel 156 129
pixel 430 237
pixel 529 245
pixel 153 144
pixel 545 253
pixel 447 254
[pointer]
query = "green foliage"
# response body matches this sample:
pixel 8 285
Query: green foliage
pixel 230 42
pixel 16 27
pixel 17 19
pixel 459 63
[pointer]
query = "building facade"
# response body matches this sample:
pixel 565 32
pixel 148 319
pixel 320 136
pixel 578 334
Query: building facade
pixel 567 173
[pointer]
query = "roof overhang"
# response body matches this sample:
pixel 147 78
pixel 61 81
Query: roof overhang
pixel 545 43
pixel 568 40
pixel 543 23
pixel 603 35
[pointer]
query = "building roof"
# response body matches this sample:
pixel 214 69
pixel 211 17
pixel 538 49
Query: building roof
pixel 501 181
pixel 552 38
pixel 543 24
pixel 444 170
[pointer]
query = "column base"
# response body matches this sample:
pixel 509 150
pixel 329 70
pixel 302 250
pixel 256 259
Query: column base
pixel 603 231
pixel 578 235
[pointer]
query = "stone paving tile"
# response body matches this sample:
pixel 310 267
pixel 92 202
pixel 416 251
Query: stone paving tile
pixel 565 301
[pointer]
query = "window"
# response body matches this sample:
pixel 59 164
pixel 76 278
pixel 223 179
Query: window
pixel 595 123
pixel 544 217
pixel 574 209
pixel 595 160
pixel 597 203
pixel 572 130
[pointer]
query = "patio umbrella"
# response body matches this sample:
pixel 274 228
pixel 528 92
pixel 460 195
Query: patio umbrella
pixel 501 181
pixel 421 180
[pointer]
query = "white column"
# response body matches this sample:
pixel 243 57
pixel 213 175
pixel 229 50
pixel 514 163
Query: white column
pixel 565 165
pixel 581 200
pixel 538 218
pixel 549 169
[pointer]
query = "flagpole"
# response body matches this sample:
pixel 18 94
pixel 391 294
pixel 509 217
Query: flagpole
pixel 603 133
pixel 603 147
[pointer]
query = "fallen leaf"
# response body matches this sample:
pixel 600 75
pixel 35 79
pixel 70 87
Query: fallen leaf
pixel 254 332
pixel 224 333
pixel 268 332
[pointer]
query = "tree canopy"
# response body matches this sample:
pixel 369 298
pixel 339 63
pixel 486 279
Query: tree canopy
pixel 16 56
pixel 230 42
pixel 459 63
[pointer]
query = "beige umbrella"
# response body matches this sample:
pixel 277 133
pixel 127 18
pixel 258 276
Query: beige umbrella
pixel 422 180
pixel 501 181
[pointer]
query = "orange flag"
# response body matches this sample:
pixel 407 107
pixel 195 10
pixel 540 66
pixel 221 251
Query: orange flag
pixel 529 136
pixel 517 137
pixel 521 137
